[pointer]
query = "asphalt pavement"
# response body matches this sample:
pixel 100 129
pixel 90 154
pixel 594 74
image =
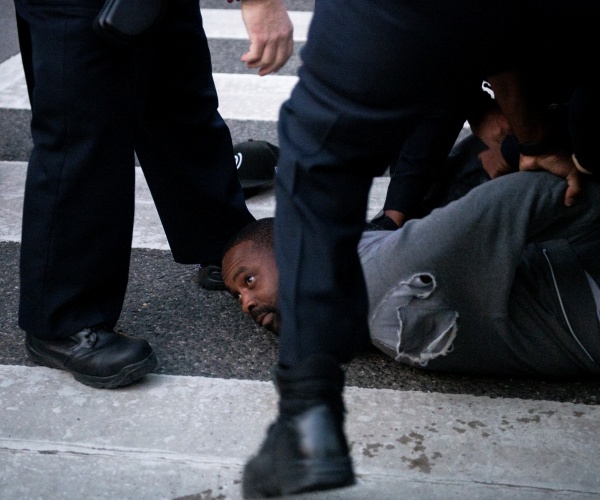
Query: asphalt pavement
pixel 186 430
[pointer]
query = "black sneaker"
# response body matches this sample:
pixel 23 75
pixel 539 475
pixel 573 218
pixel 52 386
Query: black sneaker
pixel 97 357
pixel 305 449
pixel 209 278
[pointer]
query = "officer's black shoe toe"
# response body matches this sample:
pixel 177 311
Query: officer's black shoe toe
pixel 305 449
pixel 210 278
pixel 302 454
pixel 97 357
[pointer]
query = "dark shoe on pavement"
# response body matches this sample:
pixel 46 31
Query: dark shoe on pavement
pixel 305 448
pixel 97 357
pixel 209 278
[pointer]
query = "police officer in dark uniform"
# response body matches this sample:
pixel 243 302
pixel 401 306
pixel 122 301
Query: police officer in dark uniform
pixel 372 70
pixel 93 105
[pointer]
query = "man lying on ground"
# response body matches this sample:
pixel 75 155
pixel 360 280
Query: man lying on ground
pixel 501 281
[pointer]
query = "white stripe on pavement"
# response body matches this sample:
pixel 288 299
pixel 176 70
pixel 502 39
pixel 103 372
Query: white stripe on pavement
pixel 13 89
pixel 252 97
pixel 227 23
pixel 170 436
pixel 147 229
pixel 241 96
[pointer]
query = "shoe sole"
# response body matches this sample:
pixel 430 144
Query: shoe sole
pixel 301 477
pixel 126 376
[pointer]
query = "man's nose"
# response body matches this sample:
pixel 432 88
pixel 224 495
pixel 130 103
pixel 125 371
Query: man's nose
pixel 247 301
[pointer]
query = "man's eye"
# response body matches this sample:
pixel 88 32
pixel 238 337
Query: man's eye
pixel 249 280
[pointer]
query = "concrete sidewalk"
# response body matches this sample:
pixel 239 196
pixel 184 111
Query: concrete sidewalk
pixel 172 436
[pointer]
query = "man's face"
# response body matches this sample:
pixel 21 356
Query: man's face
pixel 250 275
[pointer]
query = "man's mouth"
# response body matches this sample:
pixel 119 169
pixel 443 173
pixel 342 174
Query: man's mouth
pixel 265 318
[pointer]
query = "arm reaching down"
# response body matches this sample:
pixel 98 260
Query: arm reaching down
pixel 271 35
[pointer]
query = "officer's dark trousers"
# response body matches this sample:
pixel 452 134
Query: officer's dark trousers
pixel 93 105
pixel 371 71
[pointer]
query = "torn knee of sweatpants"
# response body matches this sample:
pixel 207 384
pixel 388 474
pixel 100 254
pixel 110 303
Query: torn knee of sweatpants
pixel 425 333
pixel 414 324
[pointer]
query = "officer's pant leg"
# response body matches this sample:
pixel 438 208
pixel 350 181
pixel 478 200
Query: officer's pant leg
pixel 366 73
pixel 78 207
pixel 184 146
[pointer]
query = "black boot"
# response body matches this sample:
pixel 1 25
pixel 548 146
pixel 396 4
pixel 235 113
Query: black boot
pixel 97 356
pixel 305 448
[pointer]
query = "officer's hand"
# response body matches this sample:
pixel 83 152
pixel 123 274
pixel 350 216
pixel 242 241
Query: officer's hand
pixel 560 164
pixel 493 162
pixel 271 35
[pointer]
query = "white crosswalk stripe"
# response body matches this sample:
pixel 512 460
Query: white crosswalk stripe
pixel 221 23
pixel 241 97
pixel 252 97
pixel 13 90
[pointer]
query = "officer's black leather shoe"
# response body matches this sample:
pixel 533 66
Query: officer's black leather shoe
pixel 305 449
pixel 210 278
pixel 97 357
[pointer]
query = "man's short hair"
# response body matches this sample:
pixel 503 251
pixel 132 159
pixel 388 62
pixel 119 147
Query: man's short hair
pixel 260 232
